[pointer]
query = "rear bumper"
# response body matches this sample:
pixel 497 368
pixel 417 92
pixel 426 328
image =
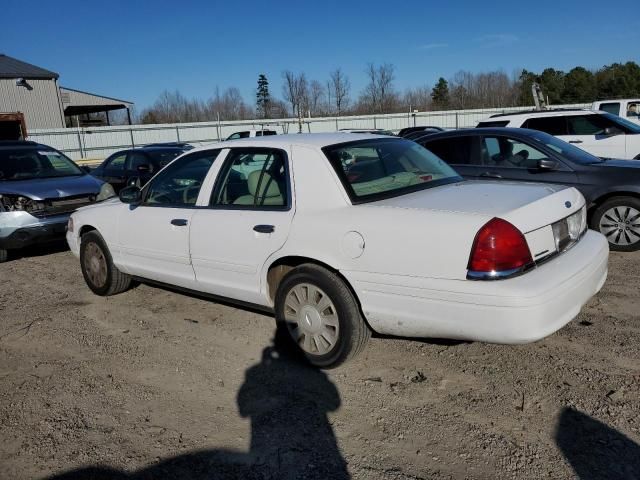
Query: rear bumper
pixel 18 231
pixel 519 310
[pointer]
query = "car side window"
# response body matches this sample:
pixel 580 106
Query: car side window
pixel 552 125
pixel 507 152
pixel 116 162
pixel 136 159
pixel 179 184
pixel 454 151
pixel 255 178
pixel 612 107
pixel 588 124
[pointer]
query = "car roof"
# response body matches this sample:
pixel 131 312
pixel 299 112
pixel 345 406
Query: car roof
pixel 558 112
pixel 512 132
pixel 23 144
pixel 317 140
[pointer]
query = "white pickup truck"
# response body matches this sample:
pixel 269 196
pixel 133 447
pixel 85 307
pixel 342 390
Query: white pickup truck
pixel 628 108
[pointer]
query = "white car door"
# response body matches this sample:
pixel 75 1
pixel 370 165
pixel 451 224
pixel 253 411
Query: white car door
pixel 154 235
pixel 589 132
pixel 247 220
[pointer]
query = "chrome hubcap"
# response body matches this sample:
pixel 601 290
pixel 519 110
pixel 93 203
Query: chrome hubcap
pixel 95 265
pixel 621 225
pixel 312 319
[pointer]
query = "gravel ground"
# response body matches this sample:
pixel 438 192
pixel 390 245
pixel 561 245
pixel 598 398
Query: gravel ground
pixel 153 384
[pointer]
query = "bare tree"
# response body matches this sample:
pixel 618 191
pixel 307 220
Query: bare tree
pixel 379 95
pixel 296 91
pixel 316 97
pixel 339 86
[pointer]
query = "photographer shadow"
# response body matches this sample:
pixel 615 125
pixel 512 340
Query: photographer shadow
pixel 287 402
pixel 596 451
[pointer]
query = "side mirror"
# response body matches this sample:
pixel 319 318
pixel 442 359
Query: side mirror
pixel 144 168
pixel 547 164
pixel 85 169
pixel 134 182
pixel 131 195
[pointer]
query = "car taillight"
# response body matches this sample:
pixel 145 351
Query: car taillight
pixel 499 250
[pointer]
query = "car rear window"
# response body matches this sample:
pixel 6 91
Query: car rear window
pixel 493 123
pixel 384 167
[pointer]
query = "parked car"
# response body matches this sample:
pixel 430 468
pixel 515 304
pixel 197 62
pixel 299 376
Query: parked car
pixel 611 187
pixel 599 133
pixel 39 188
pixel 135 164
pixel 374 131
pixel 628 108
pixel 251 134
pixel 183 145
pixel 341 234
pixel 417 130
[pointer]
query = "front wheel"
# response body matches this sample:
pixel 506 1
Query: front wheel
pixel 98 270
pixel 319 315
pixel 618 219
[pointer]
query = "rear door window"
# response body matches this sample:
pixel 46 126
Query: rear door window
pixel 552 125
pixel 454 151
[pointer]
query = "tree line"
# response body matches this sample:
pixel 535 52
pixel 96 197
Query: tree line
pixel 303 97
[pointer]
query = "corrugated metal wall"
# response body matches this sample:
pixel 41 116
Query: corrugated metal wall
pixel 100 142
pixel 41 106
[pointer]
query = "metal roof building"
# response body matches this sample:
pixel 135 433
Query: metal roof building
pixel 35 92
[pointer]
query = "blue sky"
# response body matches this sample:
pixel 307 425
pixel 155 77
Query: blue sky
pixel 136 49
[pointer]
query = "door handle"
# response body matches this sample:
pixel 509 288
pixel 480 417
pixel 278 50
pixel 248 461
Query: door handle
pixel 264 228
pixel 490 175
pixel 179 222
pixel 575 141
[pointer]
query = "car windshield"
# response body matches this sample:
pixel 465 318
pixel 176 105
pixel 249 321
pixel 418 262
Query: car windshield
pixel 163 157
pixel 31 163
pixel 574 154
pixel 635 128
pixel 383 167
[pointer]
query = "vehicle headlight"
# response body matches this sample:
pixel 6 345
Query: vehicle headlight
pixel 18 203
pixel 106 192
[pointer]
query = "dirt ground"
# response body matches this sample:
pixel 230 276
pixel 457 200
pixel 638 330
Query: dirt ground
pixel 153 384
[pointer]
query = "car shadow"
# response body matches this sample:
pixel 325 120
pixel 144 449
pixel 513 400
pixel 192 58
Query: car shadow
pixel 39 250
pixel 287 402
pixel 596 451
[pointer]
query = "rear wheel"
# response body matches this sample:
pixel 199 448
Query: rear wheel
pixel 320 317
pixel 618 219
pixel 98 270
pixel 4 255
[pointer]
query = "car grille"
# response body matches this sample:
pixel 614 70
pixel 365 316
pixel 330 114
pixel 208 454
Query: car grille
pixel 63 205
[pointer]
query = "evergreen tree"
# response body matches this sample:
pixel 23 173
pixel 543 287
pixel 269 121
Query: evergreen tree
pixel 263 99
pixel 440 94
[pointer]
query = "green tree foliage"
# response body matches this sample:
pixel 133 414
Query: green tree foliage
pixel 579 86
pixel 263 99
pixel 552 84
pixel 440 94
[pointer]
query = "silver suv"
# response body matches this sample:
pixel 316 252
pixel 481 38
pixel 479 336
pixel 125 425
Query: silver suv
pixel 39 188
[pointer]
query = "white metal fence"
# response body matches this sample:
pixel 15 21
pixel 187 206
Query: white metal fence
pixel 100 142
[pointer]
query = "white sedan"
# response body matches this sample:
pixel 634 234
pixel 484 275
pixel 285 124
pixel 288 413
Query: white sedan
pixel 344 234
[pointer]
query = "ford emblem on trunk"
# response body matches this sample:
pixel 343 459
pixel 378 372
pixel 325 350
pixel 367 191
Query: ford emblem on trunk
pixel 567 204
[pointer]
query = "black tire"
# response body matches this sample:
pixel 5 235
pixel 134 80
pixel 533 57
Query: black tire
pixel 620 240
pixel 4 255
pixel 111 281
pixel 352 332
